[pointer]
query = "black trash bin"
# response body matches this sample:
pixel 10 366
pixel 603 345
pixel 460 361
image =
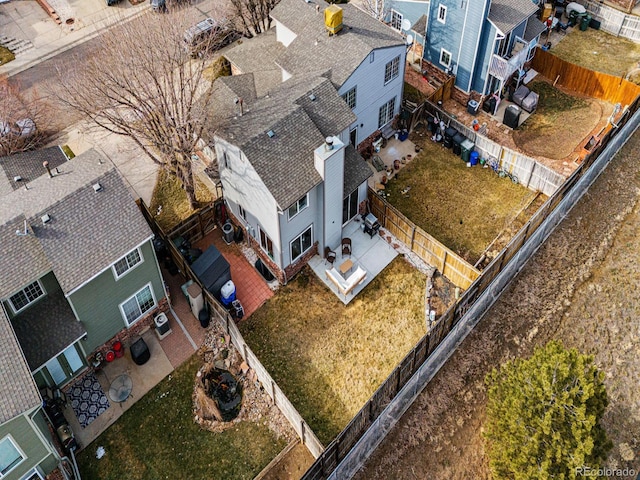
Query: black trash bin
pixel 457 142
pixel 449 133
pixel 203 317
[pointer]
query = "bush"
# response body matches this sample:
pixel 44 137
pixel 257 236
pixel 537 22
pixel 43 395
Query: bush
pixel 543 416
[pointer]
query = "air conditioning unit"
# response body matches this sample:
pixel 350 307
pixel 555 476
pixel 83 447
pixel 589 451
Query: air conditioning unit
pixel 162 325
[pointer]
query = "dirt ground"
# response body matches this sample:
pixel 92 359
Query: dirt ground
pixel 580 288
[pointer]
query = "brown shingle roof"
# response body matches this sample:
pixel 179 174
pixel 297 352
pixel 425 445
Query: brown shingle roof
pixel 508 14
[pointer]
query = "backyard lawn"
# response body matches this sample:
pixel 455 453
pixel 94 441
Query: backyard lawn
pixel 464 208
pixel 599 51
pixel 158 438
pixel 329 358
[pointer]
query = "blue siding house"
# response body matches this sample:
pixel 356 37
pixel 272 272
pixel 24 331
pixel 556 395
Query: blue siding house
pixel 482 42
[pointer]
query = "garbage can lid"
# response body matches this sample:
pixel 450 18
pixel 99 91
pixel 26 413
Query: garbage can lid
pixel 227 227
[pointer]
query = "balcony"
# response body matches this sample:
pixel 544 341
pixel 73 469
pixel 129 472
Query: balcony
pixel 503 68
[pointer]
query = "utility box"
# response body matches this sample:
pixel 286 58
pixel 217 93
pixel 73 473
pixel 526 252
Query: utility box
pixel 196 300
pixel 162 325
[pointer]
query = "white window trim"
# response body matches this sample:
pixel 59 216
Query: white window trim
pixel 442 8
pixel 44 293
pixel 392 77
pixel 306 197
pixel 399 28
pixel 442 50
pixel 113 267
pixel 265 247
pixel 124 315
pixel 18 449
pixel 345 97
pixel 30 473
pixel 310 227
pixel 242 212
pixel 386 107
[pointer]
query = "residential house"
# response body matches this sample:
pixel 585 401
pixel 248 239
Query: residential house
pixel 77 269
pixel 482 42
pixel 365 61
pixel 289 119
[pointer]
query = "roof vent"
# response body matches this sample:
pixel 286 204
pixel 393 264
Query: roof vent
pixel 17 178
pixel 328 144
pixel 312 97
pixel 271 133
pixel 97 187
pixel 45 218
pixel 333 19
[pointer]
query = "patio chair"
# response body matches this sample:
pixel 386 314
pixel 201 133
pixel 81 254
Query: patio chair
pixel 329 255
pixel 346 246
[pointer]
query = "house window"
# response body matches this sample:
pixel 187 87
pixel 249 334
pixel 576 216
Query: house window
pixel 301 244
pixel 135 307
pixel 32 474
pixel 391 69
pixel 26 296
pixel 445 58
pixel 10 455
pixel 297 207
pixel 386 112
pixel 396 20
pixel 372 57
pixel 350 98
pixel 266 243
pixel 442 14
pixel 243 213
pixel 126 263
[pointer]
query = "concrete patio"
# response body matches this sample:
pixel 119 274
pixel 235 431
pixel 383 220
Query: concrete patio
pixel 372 254
pixel 403 151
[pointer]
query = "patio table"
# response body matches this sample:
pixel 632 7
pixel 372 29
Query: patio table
pixel 120 388
pixel 346 266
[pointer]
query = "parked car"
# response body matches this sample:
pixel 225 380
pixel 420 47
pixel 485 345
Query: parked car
pixel 209 35
pixel 22 128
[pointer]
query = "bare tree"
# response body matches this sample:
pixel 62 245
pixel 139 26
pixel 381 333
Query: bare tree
pixel 378 9
pixel 253 15
pixel 144 83
pixel 25 119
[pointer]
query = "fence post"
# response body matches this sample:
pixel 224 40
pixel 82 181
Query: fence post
pixel 444 261
pixel 413 236
pixel 273 391
pixel 244 349
pixel 533 167
pixel 302 431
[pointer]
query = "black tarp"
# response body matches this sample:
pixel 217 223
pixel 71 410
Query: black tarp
pixel 213 270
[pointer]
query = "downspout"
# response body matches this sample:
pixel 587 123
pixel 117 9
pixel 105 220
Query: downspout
pixel 426 31
pixel 493 49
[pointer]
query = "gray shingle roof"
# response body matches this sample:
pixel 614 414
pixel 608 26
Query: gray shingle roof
pixel 38 340
pixel 420 27
pixel 28 165
pixel 508 14
pixel 258 55
pixel 300 125
pixel 356 170
pixel 88 231
pixel 19 392
pixel 534 28
pixel 313 50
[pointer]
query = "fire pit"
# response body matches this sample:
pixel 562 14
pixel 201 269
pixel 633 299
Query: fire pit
pixel 220 394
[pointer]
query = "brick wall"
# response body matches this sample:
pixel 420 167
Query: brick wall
pixel 293 269
pixel 365 147
pixel 433 72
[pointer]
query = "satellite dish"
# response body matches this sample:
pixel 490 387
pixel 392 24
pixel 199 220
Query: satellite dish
pixel 406 24
pixel 409 39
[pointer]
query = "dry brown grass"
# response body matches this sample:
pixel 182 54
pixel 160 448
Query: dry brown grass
pixel 464 208
pixel 169 194
pixel 599 51
pixel 329 358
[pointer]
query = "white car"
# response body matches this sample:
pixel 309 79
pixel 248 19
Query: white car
pixel 22 128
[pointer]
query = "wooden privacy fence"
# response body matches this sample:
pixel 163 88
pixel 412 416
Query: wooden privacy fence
pixel 326 464
pixel 194 228
pixel 531 173
pixel 443 92
pixel 614 21
pixel 582 80
pixel 452 266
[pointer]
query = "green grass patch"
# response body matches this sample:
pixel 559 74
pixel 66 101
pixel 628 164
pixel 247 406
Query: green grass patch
pixel 329 358
pixel 412 94
pixel 464 208
pixel 158 438
pixel 599 51
pixel 6 55
pixel 558 125
pixel 169 194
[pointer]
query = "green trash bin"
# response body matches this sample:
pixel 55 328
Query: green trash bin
pixel 584 23
pixel 573 18
pixel 465 150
